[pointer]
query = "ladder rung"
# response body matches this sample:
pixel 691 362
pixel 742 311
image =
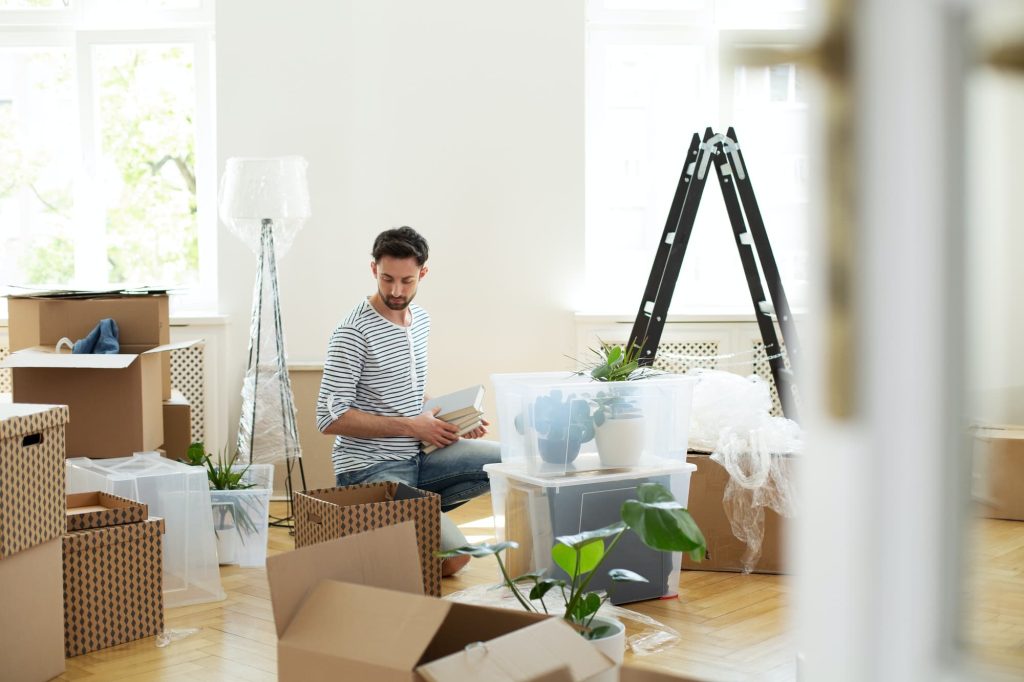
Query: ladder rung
pixel 726 169
pixel 692 166
pixel 648 308
pixel 766 308
pixel 670 238
pixel 747 239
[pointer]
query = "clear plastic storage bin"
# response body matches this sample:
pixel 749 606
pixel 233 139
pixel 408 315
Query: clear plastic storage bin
pixel 240 518
pixel 534 510
pixel 550 421
pixel 178 493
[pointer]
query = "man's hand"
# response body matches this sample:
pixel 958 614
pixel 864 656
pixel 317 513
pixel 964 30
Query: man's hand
pixel 437 432
pixel 478 432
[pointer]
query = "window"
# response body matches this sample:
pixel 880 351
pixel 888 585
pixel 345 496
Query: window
pixel 107 162
pixel 656 75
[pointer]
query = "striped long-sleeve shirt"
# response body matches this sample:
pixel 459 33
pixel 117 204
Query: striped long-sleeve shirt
pixel 377 367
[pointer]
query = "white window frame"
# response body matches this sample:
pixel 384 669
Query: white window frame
pixel 76 28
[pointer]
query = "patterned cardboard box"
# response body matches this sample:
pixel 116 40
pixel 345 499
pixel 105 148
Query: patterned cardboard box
pixel 99 510
pixel 113 585
pixel 330 513
pixel 32 500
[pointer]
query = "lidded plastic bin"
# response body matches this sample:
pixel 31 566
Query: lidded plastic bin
pixel 240 517
pixel 178 493
pixel 549 421
pixel 534 510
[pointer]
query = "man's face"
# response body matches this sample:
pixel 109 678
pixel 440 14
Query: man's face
pixel 397 279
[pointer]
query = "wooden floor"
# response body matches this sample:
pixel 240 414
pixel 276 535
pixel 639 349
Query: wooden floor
pixel 732 626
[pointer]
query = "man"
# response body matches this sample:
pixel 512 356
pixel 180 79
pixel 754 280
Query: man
pixel 372 393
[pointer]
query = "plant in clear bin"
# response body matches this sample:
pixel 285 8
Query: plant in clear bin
pixel 562 426
pixel 223 474
pixel 657 519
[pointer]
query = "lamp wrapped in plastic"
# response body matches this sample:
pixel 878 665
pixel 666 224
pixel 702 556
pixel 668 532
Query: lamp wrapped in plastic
pixel 265 202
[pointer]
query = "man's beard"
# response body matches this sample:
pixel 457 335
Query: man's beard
pixel 402 303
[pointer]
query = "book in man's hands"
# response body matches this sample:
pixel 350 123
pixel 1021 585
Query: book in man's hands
pixel 458 404
pixel 462 408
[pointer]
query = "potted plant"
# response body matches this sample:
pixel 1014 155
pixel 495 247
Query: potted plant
pixel 619 422
pixel 240 505
pixel 562 425
pixel 657 519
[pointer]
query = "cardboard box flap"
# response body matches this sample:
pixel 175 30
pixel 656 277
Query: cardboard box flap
pixel 79 540
pixel 529 653
pixel 173 346
pixel 40 356
pixel 371 625
pixel 386 557
pixel 99 510
pixel 18 420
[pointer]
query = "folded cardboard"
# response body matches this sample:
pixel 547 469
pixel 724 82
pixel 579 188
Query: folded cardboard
pixel 99 509
pixel 177 425
pixel 32 614
pixel 331 513
pixel 113 585
pixel 351 608
pixel 31 475
pixel 724 550
pixel 115 400
pixel 999 464
pixel 43 318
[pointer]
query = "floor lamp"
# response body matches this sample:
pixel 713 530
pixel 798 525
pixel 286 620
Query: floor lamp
pixel 265 202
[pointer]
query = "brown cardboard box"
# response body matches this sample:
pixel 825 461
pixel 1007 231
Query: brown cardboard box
pixel 113 585
pixel 31 475
pixel 999 464
pixel 725 550
pixel 42 319
pixel 177 426
pixel 331 513
pixel 631 674
pixel 351 609
pixel 32 614
pixel 99 509
pixel 115 402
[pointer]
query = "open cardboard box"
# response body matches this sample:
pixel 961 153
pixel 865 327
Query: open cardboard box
pixel 42 318
pixel 99 510
pixel 115 400
pixel 353 608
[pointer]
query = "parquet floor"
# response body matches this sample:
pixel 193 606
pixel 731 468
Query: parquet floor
pixel 732 627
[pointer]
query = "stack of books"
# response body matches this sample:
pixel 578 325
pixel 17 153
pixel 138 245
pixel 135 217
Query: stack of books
pixel 462 408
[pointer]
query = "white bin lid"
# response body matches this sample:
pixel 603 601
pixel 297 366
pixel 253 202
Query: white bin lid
pixel 586 469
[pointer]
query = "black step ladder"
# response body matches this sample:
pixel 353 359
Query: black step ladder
pixel 752 244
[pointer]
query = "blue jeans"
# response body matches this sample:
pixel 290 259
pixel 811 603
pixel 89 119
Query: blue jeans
pixel 456 472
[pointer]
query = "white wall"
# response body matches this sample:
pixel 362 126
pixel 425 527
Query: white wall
pixel 995 313
pixel 463 119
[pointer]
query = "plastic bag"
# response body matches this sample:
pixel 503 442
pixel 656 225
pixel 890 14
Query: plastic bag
pixel 173 635
pixel 644 635
pixel 731 417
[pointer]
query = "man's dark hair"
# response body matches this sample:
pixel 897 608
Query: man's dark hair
pixel 400 242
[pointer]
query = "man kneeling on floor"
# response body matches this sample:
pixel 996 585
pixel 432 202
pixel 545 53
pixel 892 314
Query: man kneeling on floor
pixel 372 394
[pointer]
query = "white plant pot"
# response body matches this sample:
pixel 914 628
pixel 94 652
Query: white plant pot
pixel 620 442
pixel 614 645
pixel 227 546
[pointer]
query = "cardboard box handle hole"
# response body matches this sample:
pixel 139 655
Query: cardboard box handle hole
pixel 314 518
pixel 31 439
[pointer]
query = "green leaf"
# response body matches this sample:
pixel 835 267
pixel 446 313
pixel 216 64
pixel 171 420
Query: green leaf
pixel 663 526
pixel 653 492
pixel 590 553
pixel 599 632
pixel 477 550
pixel 623 575
pixel 589 536
pixel 585 607
pixel 543 587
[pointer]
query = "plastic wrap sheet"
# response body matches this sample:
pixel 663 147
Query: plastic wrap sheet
pixel 644 635
pixel 731 418
pixel 267 431
pixel 252 190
